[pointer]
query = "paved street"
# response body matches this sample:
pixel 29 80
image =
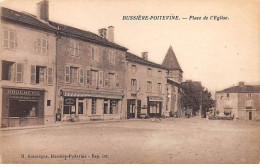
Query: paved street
pixel 136 141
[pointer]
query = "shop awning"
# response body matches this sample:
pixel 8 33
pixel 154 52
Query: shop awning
pixel 155 98
pixel 95 95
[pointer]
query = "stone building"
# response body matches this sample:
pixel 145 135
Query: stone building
pixel 242 101
pixel 90 74
pixel 152 89
pixel 27 69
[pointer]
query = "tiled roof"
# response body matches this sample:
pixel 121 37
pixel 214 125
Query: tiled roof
pixel 134 58
pixel 85 35
pixel 31 20
pixel 170 61
pixel 24 18
pixel 242 89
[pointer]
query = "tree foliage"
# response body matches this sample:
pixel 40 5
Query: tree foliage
pixel 193 94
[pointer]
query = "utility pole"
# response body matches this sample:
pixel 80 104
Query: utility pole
pixel 136 114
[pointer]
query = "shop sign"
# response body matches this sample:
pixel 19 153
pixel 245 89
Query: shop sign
pixel 23 92
pixel 70 101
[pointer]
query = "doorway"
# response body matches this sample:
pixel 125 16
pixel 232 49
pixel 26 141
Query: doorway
pixel 250 115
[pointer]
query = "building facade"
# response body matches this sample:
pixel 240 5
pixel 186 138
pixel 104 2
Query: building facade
pixel 27 70
pixel 242 101
pixel 152 89
pixel 90 74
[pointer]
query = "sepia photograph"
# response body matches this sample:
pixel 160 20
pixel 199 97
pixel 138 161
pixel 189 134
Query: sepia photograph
pixel 130 82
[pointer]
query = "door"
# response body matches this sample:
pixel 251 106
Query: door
pixel 250 115
pixel 130 108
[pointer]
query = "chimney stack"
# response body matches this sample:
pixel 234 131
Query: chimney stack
pixel 145 55
pixel 110 33
pixel 102 32
pixel 43 10
pixel 241 84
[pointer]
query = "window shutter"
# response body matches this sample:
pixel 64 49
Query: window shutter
pixel 33 74
pixel 89 77
pixel 117 80
pixel 19 72
pixel 67 74
pixel 101 78
pixel 5 38
pixel 81 76
pixel 49 76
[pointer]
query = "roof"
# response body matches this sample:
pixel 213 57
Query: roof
pixel 24 18
pixel 134 58
pixel 242 89
pixel 170 60
pixel 31 20
pixel 85 35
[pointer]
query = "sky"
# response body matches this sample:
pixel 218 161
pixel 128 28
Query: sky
pixel 218 53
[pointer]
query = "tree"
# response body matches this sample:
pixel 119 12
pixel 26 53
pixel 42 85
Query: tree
pixel 193 94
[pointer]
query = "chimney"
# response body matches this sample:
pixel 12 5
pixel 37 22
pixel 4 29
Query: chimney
pixel 110 33
pixel 102 32
pixel 43 10
pixel 145 55
pixel 241 84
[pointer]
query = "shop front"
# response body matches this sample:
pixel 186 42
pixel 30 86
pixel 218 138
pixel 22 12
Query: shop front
pixel 154 108
pixel 91 106
pixel 22 107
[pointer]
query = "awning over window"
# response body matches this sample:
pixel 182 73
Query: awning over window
pixel 95 95
pixel 155 98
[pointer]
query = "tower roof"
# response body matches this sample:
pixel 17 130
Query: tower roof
pixel 170 61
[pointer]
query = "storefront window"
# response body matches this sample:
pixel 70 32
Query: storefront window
pixel 69 105
pixel 23 108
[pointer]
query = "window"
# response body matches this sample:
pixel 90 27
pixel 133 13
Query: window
pixel 249 95
pixel 133 68
pixel 48 102
pixel 113 106
pixel 149 87
pixel 117 80
pixel 50 76
pixel 133 85
pixel 74 48
pixel 8 70
pixel 227 94
pixel 93 106
pixel 112 57
pixel 94 79
pixel 111 79
pixel 106 79
pixel 149 72
pixel 81 76
pixel 38 74
pixel 100 79
pixel 69 105
pixel 88 77
pixel 8 38
pixel 94 53
pixel 41 46
pixel 74 74
pixel 67 74
pixel 159 88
